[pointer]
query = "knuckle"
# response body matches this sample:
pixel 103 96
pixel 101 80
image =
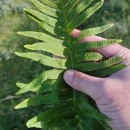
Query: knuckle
pixel 77 79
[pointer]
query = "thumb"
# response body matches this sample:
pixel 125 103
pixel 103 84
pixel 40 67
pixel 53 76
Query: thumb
pixel 92 86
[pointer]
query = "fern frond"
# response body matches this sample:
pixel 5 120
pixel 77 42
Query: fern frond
pixel 51 3
pixel 69 5
pixel 108 71
pixel 88 56
pixel 95 45
pixel 100 65
pixel 54 85
pixel 22 85
pixel 51 114
pixel 65 108
pixel 40 16
pixel 56 49
pixel 94 31
pixel 45 9
pixel 48 28
pixel 79 9
pixel 85 15
pixel 88 110
pixel 45 60
pixel 41 36
pixel 51 98
pixel 50 74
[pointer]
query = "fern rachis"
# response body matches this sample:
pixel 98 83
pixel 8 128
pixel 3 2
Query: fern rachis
pixel 59 18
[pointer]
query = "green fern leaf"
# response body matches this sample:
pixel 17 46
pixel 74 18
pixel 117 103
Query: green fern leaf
pixel 79 9
pixel 85 15
pixel 50 98
pixel 69 5
pixel 48 28
pixel 50 74
pixel 108 71
pixel 94 45
pixel 65 108
pixel 40 16
pixel 45 9
pixel 51 114
pixel 89 56
pixel 51 3
pixel 94 31
pixel 56 49
pixel 45 60
pixel 100 65
pixel 85 108
pixel 22 85
pixel 40 36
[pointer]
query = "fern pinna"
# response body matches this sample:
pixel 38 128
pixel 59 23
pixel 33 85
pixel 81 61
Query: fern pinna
pixel 65 108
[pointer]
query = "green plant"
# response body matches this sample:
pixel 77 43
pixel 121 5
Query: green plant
pixel 9 7
pixel 64 108
pixel 122 5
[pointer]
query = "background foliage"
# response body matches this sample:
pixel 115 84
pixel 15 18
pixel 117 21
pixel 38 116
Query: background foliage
pixel 13 68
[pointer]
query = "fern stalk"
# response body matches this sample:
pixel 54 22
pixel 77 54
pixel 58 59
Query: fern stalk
pixel 65 108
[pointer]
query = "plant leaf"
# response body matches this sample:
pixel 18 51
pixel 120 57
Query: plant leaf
pixel 70 5
pixel 94 45
pixel 89 56
pixel 40 16
pixel 85 15
pixel 50 114
pixel 56 49
pixel 50 3
pixel 45 9
pixel 22 85
pixel 108 71
pixel 78 9
pixel 45 60
pixel 50 29
pixel 50 98
pixel 94 31
pixel 101 65
pixel 88 110
pixel 41 36
pixel 50 74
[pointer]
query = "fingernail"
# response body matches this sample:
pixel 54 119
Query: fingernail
pixel 68 76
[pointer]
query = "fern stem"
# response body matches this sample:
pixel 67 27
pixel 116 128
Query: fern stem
pixel 75 92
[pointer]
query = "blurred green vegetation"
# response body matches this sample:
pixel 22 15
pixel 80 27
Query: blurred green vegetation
pixel 13 68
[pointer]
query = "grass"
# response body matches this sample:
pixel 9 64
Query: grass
pixel 8 35
pixel 13 68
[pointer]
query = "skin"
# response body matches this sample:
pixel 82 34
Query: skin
pixel 112 94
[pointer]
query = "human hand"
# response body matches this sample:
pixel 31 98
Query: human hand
pixel 112 94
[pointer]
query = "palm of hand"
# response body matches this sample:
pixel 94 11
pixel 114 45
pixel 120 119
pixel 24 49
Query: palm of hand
pixel 116 101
